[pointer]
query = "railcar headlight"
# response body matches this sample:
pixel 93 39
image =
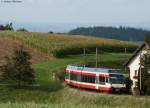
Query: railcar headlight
pixel 124 85
pixel 110 84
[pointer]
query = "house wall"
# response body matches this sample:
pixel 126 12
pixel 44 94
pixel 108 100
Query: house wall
pixel 135 65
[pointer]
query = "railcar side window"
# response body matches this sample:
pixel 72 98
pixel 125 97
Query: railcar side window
pixel 91 79
pixel 107 81
pixel 88 79
pixel 84 78
pixel 73 77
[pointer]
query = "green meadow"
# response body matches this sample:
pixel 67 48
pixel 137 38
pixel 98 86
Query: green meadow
pixel 50 93
pixel 55 94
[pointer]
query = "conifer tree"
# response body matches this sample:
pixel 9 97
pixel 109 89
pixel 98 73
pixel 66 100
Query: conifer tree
pixel 145 75
pixel 18 68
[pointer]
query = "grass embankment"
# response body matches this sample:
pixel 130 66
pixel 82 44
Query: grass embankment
pixel 51 94
pixel 61 45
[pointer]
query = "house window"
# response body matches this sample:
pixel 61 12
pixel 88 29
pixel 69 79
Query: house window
pixel 136 73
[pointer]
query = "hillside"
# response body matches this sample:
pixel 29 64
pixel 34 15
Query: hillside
pixel 7 47
pixel 56 45
pixel 121 33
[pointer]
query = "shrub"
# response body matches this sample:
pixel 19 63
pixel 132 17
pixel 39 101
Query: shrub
pixel 60 74
pixel 128 85
pixel 23 30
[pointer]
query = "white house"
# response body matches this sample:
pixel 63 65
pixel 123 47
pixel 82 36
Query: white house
pixel 134 62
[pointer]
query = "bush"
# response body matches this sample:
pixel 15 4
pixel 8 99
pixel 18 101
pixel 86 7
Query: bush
pixel 128 85
pixel 60 74
pixel 90 49
pixel 23 30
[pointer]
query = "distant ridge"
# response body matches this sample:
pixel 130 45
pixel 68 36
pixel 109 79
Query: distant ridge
pixel 120 33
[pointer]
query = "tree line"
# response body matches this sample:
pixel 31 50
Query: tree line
pixel 10 28
pixel 120 33
pixel 6 27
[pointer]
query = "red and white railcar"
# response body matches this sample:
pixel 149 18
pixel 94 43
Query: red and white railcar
pixel 102 79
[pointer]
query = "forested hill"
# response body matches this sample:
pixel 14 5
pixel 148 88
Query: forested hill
pixel 120 33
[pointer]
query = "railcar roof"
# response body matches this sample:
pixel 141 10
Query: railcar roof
pixel 96 70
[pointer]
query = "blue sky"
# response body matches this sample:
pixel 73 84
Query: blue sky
pixel 77 11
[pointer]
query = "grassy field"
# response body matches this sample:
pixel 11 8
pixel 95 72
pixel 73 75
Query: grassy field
pixel 62 45
pixel 53 94
pixel 110 60
pixel 49 93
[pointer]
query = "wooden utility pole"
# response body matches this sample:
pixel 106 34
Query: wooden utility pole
pixel 84 54
pixel 96 57
pixel 125 50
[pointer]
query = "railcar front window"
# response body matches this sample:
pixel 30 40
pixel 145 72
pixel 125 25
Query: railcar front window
pixel 116 79
pixel 67 75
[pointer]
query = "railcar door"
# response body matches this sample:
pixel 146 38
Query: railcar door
pixel 69 76
pixel 79 76
pixel 102 82
pixel 97 81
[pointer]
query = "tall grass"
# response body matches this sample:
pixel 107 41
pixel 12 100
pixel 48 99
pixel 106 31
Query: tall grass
pixel 34 105
pixel 67 97
pixel 62 45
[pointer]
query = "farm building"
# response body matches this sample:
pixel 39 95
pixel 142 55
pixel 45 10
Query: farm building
pixel 134 62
